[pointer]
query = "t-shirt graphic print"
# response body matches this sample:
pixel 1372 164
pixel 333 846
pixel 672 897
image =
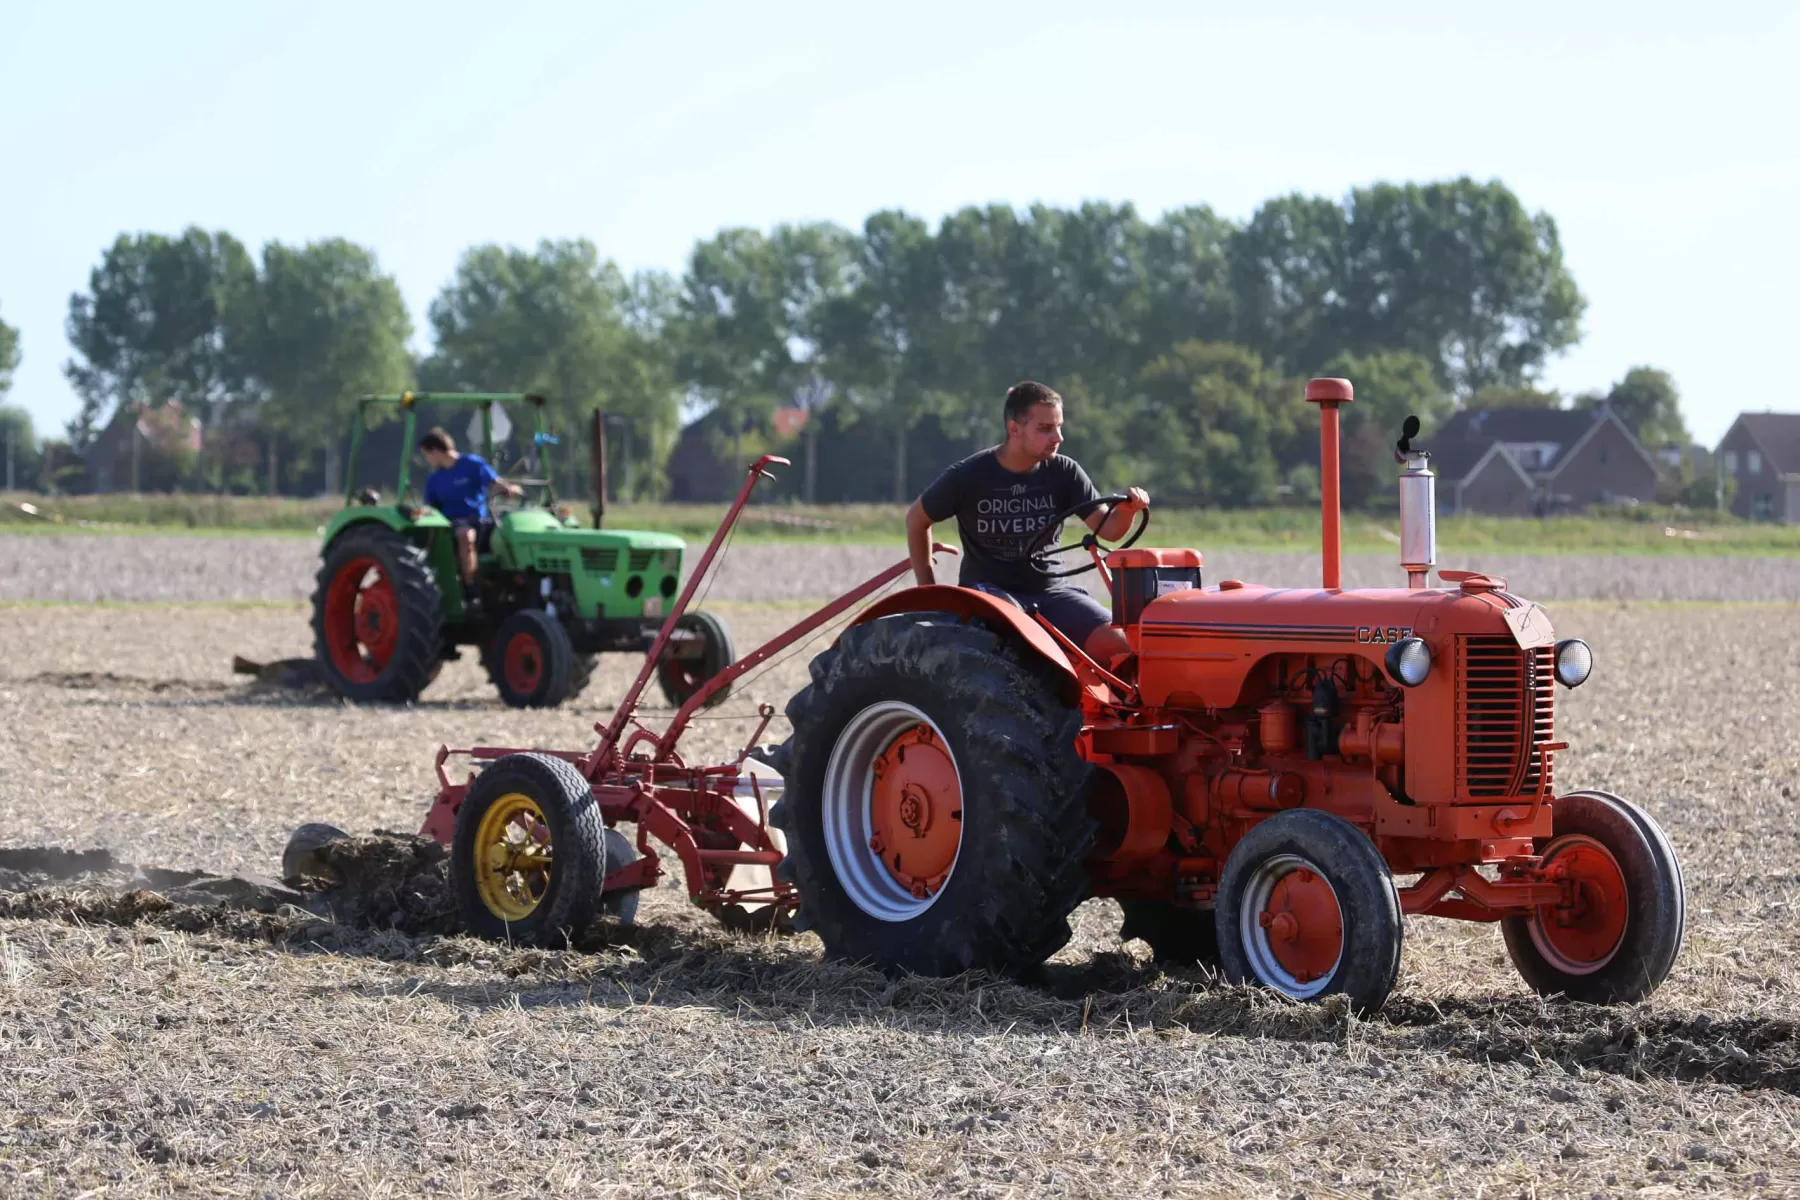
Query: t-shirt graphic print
pixel 1000 513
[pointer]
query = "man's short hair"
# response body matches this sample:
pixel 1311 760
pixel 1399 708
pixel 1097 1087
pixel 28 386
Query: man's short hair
pixel 436 439
pixel 1021 398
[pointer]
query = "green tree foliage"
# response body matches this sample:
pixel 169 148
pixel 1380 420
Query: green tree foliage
pixel 1649 404
pixel 1458 273
pixel 156 325
pixel 750 314
pixel 328 327
pixel 561 322
pixel 1391 385
pixel 1505 396
pixel 9 356
pixel 20 460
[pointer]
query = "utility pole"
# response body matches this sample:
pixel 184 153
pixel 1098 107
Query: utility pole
pixel 9 456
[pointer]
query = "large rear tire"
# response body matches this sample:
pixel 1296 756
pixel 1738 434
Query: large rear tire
pixel 528 858
pixel 1307 907
pixel 530 660
pixel 935 803
pixel 1619 939
pixel 377 617
pixel 682 677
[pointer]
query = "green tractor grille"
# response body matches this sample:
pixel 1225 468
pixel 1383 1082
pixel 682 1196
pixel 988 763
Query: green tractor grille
pixel 552 564
pixel 641 559
pixel 600 560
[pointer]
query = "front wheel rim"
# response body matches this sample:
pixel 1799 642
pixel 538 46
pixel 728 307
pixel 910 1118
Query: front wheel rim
pixel 1582 935
pixel 1292 926
pixel 878 809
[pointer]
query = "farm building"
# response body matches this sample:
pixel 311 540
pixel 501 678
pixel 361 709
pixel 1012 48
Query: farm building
pixel 1521 461
pixel 1762 452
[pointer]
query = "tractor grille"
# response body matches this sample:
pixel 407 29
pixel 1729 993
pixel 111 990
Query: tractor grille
pixel 552 564
pixel 1505 710
pixel 599 559
pixel 641 559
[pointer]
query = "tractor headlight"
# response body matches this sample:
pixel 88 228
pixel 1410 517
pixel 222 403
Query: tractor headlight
pixel 1409 661
pixel 1574 662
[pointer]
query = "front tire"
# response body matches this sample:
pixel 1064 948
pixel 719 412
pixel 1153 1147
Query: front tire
pixel 528 858
pixel 377 617
pixel 530 660
pixel 1307 907
pixel 935 811
pixel 1618 940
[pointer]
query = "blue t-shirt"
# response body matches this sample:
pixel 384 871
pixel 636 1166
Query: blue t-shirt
pixel 459 491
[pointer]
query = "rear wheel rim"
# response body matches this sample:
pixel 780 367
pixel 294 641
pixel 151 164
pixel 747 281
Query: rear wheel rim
pixel 1292 926
pixel 1581 935
pixel 362 620
pixel 892 807
pixel 513 857
pixel 522 662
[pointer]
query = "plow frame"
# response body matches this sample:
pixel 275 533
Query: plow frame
pixel 716 817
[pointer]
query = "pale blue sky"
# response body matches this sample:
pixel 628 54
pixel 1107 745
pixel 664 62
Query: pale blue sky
pixel 1661 136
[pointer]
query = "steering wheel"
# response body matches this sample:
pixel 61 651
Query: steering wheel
pixel 1090 540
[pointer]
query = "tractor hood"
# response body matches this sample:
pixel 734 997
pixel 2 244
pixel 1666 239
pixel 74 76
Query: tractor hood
pixel 1203 642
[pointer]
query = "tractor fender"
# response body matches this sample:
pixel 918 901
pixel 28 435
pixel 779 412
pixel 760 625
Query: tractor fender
pixel 387 516
pixel 972 605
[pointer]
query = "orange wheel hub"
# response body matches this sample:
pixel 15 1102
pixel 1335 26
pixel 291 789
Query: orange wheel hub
pixel 915 810
pixel 1305 925
pixel 1587 928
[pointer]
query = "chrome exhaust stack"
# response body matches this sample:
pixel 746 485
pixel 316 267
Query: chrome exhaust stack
pixel 1418 507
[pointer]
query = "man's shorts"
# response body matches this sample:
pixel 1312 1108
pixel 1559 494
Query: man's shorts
pixel 1074 612
pixel 483 527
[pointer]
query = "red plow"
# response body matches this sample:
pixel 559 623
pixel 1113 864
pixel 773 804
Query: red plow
pixel 543 853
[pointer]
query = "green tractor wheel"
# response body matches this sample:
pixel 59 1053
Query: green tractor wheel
pixel 377 625
pixel 682 677
pixel 530 660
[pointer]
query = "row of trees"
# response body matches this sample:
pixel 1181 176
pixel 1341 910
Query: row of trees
pixel 1178 341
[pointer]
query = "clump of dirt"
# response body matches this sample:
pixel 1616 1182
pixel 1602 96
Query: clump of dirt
pixel 386 881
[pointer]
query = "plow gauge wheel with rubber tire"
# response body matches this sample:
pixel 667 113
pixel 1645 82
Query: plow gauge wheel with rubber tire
pixel 529 856
pixel 1618 936
pixel 530 660
pixel 377 624
pixel 934 810
pixel 1307 907
pixel 681 676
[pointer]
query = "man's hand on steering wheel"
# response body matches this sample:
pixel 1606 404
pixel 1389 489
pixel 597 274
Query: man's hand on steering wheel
pixel 1120 506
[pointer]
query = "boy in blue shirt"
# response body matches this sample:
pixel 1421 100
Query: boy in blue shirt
pixel 458 487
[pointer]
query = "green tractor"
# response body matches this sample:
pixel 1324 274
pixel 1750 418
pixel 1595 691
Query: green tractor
pixel 391 608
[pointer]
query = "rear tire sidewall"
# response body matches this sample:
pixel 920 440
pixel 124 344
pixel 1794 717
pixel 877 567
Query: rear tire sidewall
pixel 417 643
pixel 1368 901
pixel 577 838
pixel 1655 906
pixel 1006 901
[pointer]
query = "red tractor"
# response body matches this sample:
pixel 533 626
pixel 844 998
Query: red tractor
pixel 1247 784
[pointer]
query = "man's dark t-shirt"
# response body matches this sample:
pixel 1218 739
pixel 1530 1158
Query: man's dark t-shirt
pixel 1000 513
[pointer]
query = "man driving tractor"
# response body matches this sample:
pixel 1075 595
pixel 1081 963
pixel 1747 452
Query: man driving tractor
pixel 458 488
pixel 1004 499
